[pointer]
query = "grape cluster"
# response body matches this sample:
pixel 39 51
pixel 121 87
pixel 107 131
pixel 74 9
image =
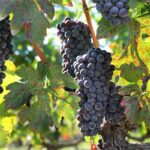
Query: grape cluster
pixel 93 72
pixel 76 40
pixel 5 47
pixel 114 112
pixel 116 11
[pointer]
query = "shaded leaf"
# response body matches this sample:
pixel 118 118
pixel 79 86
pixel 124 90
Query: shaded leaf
pixel 3 112
pixel 127 90
pixel 69 81
pixel 106 30
pixel 18 96
pixel 38 115
pixel 47 8
pixel 27 15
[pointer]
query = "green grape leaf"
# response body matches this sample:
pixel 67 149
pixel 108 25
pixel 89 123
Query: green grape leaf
pixel 41 83
pixel 27 15
pixel 19 95
pixel 69 81
pixel 27 74
pixel 42 70
pixel 55 74
pixel 47 8
pixel 130 72
pixel 106 30
pixel 57 118
pixel 38 115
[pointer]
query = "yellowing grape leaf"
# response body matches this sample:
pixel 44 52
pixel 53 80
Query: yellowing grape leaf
pixel 3 137
pixel 8 123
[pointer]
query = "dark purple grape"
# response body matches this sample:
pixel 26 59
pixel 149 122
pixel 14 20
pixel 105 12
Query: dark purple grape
pixel 92 89
pixel 98 106
pixel 114 11
pixel 88 106
pixel 87 117
pixel 85 57
pixel 123 12
pixel 87 83
pixel 91 66
pixel 108 6
pixel 83 72
pixel 120 5
pixel 92 125
pixel 91 100
pixel 94 118
pixel 100 58
pixel 90 73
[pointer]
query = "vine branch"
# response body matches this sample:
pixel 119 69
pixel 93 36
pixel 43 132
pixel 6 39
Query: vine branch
pixel 39 52
pixel 61 145
pixel 88 18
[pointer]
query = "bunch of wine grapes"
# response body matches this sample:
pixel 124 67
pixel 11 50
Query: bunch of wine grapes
pixel 114 112
pixel 5 47
pixel 76 40
pixel 93 72
pixel 115 11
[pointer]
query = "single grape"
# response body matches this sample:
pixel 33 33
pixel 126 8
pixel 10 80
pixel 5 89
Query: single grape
pixel 114 11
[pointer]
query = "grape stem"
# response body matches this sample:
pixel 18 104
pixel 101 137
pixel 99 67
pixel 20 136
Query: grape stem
pixel 88 18
pixel 39 52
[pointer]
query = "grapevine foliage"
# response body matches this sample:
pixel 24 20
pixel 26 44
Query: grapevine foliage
pixel 44 96
pixel 40 88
